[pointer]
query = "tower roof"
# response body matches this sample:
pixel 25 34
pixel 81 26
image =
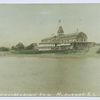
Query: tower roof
pixel 60 30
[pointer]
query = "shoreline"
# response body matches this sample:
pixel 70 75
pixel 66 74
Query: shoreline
pixel 75 55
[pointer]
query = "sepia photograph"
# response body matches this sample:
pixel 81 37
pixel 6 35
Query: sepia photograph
pixel 50 50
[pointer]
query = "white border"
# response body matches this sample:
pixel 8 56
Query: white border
pixel 48 1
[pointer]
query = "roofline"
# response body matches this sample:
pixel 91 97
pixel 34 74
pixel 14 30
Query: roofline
pixel 65 43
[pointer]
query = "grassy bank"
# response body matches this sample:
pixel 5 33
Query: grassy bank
pixel 98 52
pixel 50 52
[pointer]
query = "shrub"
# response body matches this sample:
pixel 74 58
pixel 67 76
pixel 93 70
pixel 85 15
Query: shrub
pixel 4 49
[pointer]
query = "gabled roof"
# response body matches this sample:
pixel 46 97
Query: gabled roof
pixel 47 38
pixel 76 33
pixel 72 34
pixel 59 36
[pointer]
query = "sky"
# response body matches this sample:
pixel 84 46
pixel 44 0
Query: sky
pixel 29 23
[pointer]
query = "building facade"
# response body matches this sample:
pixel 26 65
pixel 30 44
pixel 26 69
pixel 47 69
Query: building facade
pixel 61 41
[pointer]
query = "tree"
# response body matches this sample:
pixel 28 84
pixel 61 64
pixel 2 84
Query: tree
pixel 31 46
pixel 20 46
pixel 13 48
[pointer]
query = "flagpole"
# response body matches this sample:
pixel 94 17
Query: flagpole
pixel 60 22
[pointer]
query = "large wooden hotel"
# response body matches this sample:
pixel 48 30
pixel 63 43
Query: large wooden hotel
pixel 61 41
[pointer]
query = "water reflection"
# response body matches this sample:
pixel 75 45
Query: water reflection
pixel 49 75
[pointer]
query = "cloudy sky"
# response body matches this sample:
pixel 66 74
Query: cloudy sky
pixel 29 23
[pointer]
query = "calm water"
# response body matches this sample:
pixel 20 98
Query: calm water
pixel 49 75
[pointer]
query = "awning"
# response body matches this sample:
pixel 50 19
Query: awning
pixel 63 44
